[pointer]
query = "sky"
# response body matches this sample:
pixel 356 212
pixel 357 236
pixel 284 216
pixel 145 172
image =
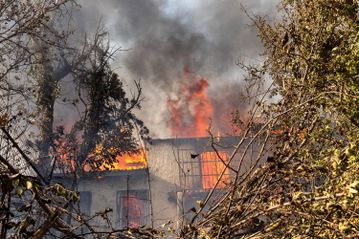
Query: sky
pixel 161 38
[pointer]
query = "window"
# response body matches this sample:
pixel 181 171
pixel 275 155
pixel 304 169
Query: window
pixel 85 209
pixel 133 208
pixel 212 167
pixel 85 203
pixel 201 171
pixel 190 169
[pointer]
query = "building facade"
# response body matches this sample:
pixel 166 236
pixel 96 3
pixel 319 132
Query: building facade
pixel 178 174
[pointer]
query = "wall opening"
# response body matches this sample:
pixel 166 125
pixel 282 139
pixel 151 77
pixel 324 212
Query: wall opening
pixel 212 167
pixel 201 171
pixel 85 208
pixel 133 208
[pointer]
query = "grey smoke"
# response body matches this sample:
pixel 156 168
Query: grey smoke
pixel 163 37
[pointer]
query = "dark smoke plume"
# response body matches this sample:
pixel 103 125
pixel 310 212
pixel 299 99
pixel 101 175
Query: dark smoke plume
pixel 164 37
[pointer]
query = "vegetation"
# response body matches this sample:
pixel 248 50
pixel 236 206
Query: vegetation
pixel 305 125
pixel 309 186
pixel 36 57
pixel 107 121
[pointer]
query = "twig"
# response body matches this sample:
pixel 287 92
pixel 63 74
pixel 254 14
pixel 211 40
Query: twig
pixel 27 159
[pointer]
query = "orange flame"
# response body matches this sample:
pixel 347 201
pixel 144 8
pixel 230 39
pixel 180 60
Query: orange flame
pixel 191 111
pixel 125 161
pixel 67 153
pixel 212 168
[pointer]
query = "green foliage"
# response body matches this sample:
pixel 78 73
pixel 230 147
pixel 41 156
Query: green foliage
pixel 312 55
pixel 108 121
pixel 309 186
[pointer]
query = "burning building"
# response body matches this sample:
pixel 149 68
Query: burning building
pixel 165 181
pixel 164 184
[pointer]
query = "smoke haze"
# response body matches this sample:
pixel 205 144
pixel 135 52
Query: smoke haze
pixel 164 37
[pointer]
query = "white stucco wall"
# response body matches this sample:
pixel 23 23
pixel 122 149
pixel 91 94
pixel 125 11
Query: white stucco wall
pixel 162 179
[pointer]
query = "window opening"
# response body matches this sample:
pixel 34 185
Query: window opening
pixel 133 208
pixel 212 167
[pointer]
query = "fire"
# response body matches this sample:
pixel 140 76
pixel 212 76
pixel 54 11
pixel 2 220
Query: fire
pixel 212 167
pixel 191 110
pixel 67 152
pixel 124 161
pixel 127 161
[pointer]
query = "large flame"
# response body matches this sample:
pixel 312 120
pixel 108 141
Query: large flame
pixel 191 109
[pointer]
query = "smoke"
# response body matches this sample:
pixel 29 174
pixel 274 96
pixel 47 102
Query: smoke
pixel 162 37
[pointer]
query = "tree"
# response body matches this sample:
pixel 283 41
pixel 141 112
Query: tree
pixel 20 22
pixel 308 187
pixel 108 119
pixel 312 55
pixel 30 206
pixel 51 67
pixel 25 43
